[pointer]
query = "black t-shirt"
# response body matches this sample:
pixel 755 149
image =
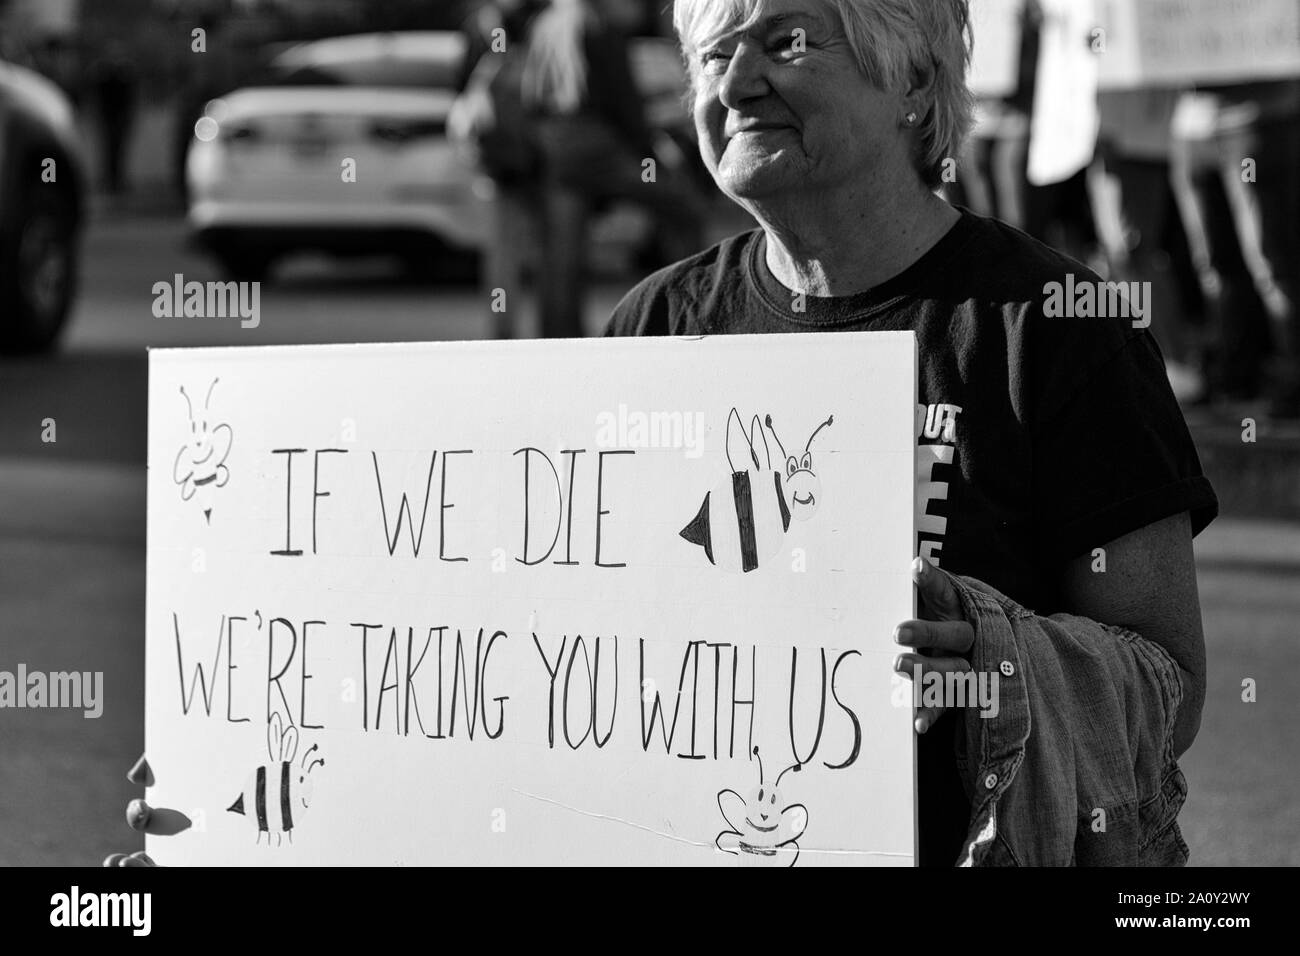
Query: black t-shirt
pixel 1039 438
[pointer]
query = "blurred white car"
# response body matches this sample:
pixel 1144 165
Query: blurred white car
pixel 267 167
pixel 343 148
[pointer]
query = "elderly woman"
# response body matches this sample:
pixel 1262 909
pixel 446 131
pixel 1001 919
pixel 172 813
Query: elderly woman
pixel 1060 555
pixel 1059 487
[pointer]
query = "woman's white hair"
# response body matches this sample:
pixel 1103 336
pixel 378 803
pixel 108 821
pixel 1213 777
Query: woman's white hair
pixel 892 40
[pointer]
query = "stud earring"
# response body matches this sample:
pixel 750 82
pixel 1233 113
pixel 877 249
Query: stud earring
pixel 910 119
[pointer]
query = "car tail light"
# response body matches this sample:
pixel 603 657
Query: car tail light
pixel 208 129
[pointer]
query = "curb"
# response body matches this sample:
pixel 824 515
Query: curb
pixel 1259 479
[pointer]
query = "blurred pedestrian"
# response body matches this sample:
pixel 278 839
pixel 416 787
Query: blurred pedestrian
pixel 596 147
pixel 1236 174
pixel 1137 219
pixel 207 75
pixel 56 58
pixel 488 121
pixel 1026 160
pixel 113 83
pixel 1063 129
pixel 994 162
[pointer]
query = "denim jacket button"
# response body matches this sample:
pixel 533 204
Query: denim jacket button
pixel 1008 669
pixel 990 781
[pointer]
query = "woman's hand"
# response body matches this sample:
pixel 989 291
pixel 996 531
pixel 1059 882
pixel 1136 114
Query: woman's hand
pixel 146 819
pixel 943 637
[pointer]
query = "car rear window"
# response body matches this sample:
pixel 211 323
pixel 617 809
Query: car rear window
pixel 388 72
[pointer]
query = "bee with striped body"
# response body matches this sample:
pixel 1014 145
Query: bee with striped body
pixel 277 794
pixel 742 522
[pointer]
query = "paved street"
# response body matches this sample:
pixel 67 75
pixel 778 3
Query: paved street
pixel 72 556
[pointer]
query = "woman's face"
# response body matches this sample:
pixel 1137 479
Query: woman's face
pixel 783 108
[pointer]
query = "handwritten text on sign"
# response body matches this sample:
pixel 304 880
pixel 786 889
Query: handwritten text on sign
pixel 621 601
pixel 1142 43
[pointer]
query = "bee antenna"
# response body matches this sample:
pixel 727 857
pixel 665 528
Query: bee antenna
pixel 760 764
pixel 795 767
pixel 208 400
pixel 309 752
pixel 774 435
pixel 318 760
pixel 829 421
pixel 188 404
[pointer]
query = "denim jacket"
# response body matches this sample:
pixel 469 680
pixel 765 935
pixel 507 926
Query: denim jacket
pixel 1077 767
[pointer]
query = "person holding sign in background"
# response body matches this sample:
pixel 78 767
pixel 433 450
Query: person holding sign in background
pixel 1058 487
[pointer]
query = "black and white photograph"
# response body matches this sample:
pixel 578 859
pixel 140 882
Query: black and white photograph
pixel 649 433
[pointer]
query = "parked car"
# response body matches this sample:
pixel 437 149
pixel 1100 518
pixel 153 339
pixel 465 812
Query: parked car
pixel 342 148
pixel 42 197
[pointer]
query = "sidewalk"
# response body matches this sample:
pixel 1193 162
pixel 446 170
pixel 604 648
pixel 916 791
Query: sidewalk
pixel 1259 479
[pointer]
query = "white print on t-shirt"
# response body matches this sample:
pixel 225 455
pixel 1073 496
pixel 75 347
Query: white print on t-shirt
pixel 933 421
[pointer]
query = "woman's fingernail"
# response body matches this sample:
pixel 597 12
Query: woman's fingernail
pixel 137 814
pixel 114 860
pixel 919 565
pixel 902 635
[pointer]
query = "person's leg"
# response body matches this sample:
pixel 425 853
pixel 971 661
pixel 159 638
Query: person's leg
pixel 1144 206
pixel 974 188
pixel 562 282
pixel 1009 175
pixel 503 286
pixel 1265 211
pixel 1105 190
pixel 1229 362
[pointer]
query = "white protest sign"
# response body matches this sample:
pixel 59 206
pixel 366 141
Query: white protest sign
pixel 1177 42
pixel 490 603
pixel 995 54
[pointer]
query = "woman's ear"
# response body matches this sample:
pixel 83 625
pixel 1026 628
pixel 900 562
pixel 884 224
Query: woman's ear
pixel 920 93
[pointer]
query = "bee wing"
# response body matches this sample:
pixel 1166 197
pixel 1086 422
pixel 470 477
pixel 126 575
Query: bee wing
pixel 177 477
pixel 728 841
pixel 756 434
pixel 222 447
pixel 796 817
pixel 273 733
pixel 740 450
pixel 289 745
pixel 732 806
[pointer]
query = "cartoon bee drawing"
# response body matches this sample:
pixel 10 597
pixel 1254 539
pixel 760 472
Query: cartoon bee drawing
pixel 742 522
pixel 276 795
pixel 762 832
pixel 200 465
